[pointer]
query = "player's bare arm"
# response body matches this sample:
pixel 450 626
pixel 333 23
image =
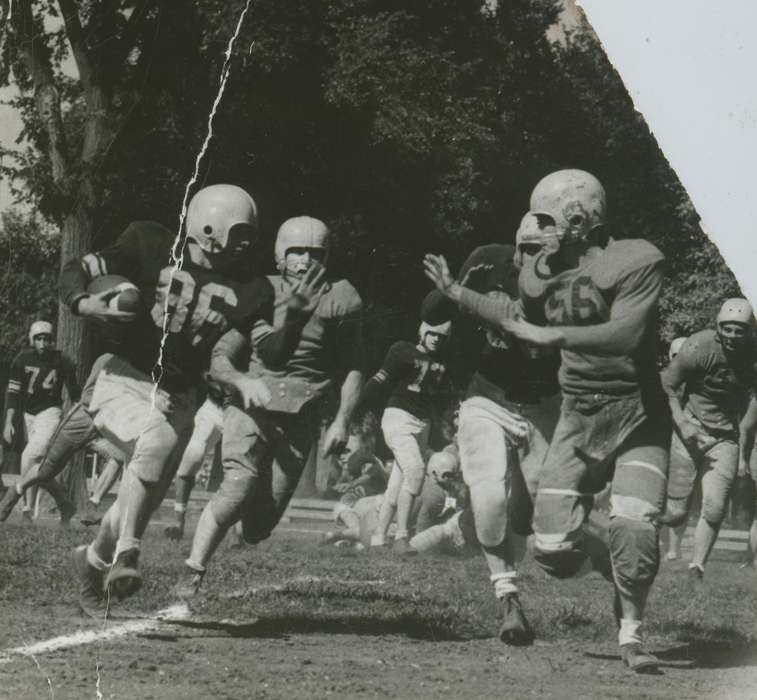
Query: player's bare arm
pixel 673 378
pixel 338 432
pixel 233 345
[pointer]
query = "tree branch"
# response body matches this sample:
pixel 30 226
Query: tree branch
pixel 35 54
pixel 70 12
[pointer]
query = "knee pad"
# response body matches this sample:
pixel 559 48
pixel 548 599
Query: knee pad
pixel 228 504
pixel 560 563
pixel 489 505
pixel 635 552
pixel 713 510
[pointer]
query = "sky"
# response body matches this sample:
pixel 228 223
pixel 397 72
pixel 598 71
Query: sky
pixel 688 65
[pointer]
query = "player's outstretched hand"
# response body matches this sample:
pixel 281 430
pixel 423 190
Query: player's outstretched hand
pixel 476 277
pixel 96 307
pixel 542 336
pixel 335 438
pixel 253 392
pixel 436 269
pixel 308 292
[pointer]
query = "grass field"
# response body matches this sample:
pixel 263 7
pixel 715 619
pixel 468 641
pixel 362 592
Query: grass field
pixel 290 619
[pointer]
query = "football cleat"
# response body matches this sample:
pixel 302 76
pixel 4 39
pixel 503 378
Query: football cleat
pixel 189 584
pixel 124 578
pixel 401 547
pixel 514 630
pixel 66 510
pixel 91 598
pixel 695 573
pixel 10 498
pixel 92 514
pixel 637 659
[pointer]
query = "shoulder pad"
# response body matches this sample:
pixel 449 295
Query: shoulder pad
pixel 342 299
pixel 623 257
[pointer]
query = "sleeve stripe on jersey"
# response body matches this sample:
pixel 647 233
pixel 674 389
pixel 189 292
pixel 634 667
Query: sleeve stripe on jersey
pixel 94 265
pixel 14 386
pixel 381 376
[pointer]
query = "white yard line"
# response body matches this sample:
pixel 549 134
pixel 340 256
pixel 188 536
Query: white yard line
pixel 113 631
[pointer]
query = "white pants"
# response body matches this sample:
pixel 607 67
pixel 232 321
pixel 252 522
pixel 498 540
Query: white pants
pixel 208 429
pixel 407 438
pixel 39 430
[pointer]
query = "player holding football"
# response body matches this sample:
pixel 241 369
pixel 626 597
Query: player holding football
pixel 598 299
pixel 507 418
pixel 709 384
pixel 415 375
pixel 144 397
pixel 326 344
pixel 35 387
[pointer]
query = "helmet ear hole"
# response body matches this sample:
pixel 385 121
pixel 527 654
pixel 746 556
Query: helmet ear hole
pixel 208 229
pixel 576 220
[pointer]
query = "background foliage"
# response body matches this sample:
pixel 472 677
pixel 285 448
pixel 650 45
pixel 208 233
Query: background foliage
pixel 410 127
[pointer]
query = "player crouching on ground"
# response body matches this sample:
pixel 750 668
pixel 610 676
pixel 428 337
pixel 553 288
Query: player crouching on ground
pixel 415 374
pixel 326 342
pixel 508 415
pixel 362 476
pixel 715 373
pixel 598 298
pixel 144 398
pixel 35 387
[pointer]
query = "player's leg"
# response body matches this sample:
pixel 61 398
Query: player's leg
pixel 205 436
pixel 407 437
pixel 388 507
pixel 39 437
pixel 146 479
pixel 105 482
pixel 245 453
pixel 719 464
pixel 637 500
pixel 485 458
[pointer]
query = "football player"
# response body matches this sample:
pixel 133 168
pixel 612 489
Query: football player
pixel 676 533
pixel 595 299
pixel 35 388
pixel 415 375
pixel 144 397
pixel 508 416
pixel 362 476
pixel 327 344
pixel 208 428
pixel 708 385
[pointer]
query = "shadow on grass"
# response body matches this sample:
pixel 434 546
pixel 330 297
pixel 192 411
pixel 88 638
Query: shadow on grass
pixel 278 627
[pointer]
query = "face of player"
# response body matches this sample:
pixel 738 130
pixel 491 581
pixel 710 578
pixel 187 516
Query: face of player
pixel 566 246
pixel 217 254
pixel 433 342
pixel 299 260
pixel 735 337
pixel 42 341
pixel 355 446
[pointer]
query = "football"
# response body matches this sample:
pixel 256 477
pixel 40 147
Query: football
pixel 126 296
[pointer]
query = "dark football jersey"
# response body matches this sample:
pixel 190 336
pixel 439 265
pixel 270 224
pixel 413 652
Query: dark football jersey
pixel 626 276
pixel 36 381
pixel 194 305
pixel 417 381
pixel 505 369
pixel 716 391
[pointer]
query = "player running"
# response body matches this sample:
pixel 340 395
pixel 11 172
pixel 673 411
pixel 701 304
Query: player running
pixel 145 394
pixel 326 344
pixel 748 471
pixel 416 376
pixel 708 385
pixel 507 418
pixel 598 298
pixel 35 387
pixel 208 428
